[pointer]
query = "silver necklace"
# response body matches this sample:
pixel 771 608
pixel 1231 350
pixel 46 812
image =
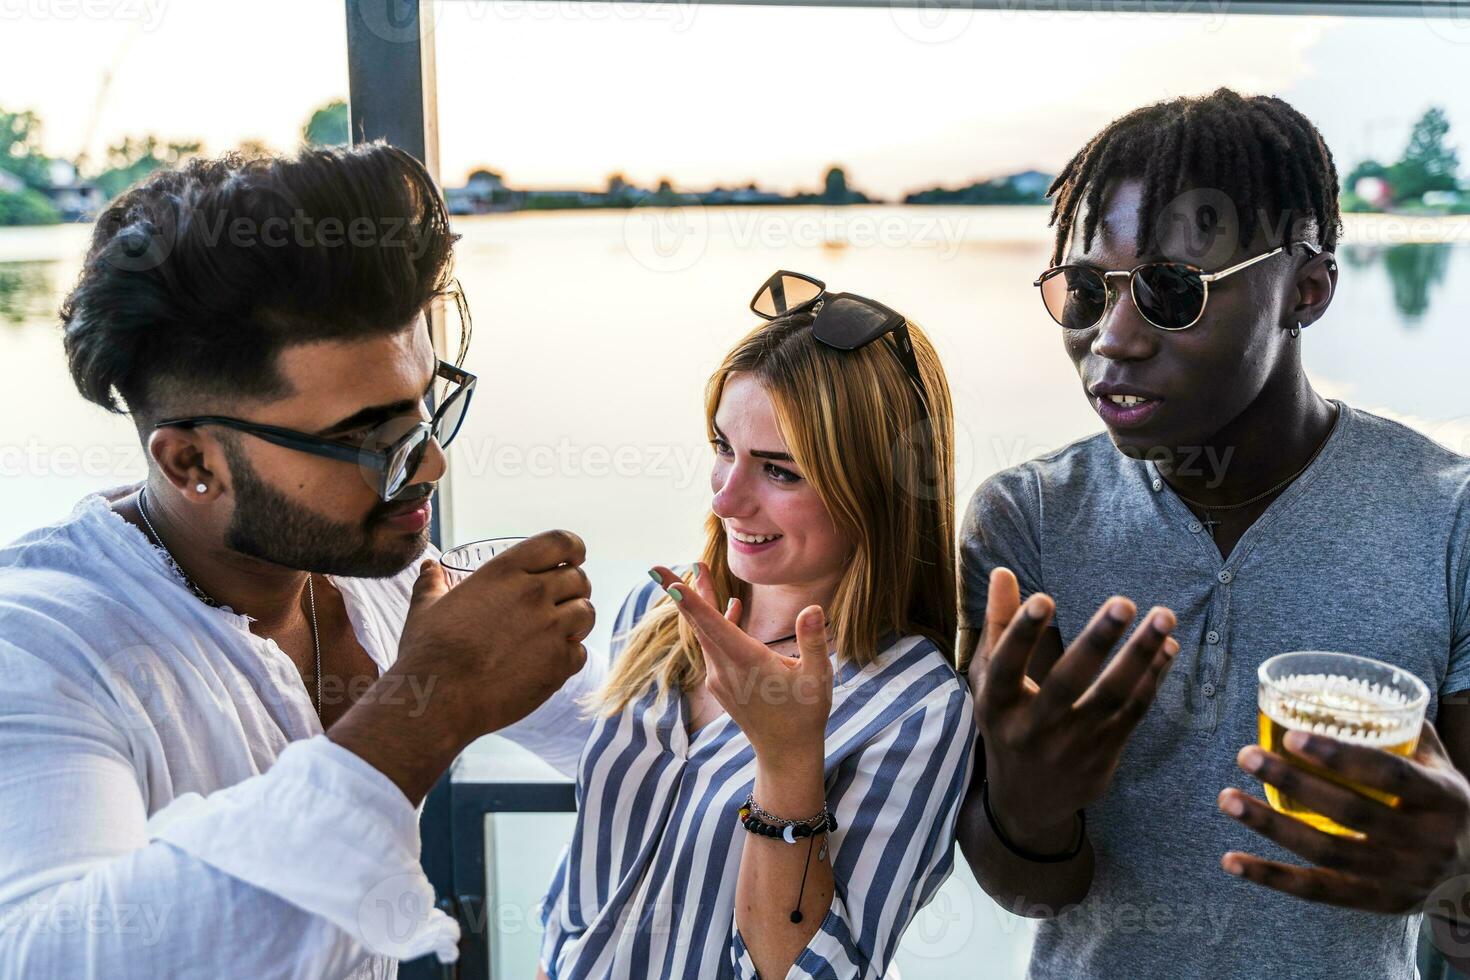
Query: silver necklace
pixel 209 600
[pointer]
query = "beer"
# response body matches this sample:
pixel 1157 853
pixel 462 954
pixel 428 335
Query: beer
pixel 1352 699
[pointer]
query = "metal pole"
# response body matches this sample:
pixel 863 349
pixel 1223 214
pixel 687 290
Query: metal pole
pixel 392 96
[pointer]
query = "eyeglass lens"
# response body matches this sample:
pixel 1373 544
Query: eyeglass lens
pixel 1168 295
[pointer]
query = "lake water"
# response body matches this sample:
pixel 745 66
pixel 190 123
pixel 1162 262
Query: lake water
pixel 594 335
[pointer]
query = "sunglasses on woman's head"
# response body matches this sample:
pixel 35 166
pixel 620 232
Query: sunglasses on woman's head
pixel 844 321
pixel 388 456
pixel 1169 295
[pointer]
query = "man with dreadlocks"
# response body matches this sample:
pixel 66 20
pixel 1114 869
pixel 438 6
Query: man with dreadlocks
pixel 1117 799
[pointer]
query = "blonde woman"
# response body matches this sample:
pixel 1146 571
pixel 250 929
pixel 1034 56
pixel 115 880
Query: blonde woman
pixel 768 781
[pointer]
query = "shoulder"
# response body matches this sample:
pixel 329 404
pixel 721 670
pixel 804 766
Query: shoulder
pixel 72 624
pixel 68 585
pixel 1076 469
pixel 1396 456
pixel 910 674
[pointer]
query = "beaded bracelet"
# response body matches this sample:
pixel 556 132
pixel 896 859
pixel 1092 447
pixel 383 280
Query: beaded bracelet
pixel 758 821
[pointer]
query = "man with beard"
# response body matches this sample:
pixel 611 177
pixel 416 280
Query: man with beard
pixel 1117 798
pixel 224 692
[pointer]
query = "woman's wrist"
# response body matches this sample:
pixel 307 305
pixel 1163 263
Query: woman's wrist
pixel 792 785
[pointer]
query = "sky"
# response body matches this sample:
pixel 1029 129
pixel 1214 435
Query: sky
pixel 556 93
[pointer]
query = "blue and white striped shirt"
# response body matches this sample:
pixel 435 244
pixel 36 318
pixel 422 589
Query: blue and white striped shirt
pixel 647 886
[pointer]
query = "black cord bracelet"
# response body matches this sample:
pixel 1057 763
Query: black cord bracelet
pixel 1021 852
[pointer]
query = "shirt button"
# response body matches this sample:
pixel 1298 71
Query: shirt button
pixel 1208 689
pixel 1195 527
pixel 1158 484
pixel 1225 576
pixel 1212 636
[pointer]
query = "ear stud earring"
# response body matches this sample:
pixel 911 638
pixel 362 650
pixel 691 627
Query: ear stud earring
pixel 200 488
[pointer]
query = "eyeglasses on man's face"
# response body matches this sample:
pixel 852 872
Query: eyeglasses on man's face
pixel 1169 295
pixel 389 454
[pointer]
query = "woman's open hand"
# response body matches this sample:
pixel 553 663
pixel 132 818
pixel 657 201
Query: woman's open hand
pixel 780 703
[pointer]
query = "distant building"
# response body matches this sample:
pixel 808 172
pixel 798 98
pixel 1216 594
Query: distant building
pixel 483 192
pixel 76 200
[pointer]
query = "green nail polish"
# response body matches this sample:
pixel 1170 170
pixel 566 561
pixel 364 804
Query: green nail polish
pixel 656 576
pixel 673 591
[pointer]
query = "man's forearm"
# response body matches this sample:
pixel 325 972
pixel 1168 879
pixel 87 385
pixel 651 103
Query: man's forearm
pixel 410 742
pixel 1034 889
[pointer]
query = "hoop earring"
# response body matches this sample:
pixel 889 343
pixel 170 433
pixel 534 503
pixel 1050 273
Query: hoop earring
pixel 1296 331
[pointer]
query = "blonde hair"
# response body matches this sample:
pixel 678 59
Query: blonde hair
pixel 883 467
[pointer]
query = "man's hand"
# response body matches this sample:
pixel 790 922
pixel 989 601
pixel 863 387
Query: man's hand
pixel 1409 850
pixel 488 652
pixel 1052 745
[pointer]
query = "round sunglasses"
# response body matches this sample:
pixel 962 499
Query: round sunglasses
pixel 1169 295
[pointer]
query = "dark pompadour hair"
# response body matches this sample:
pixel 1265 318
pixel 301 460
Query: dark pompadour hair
pixel 198 277
pixel 1265 156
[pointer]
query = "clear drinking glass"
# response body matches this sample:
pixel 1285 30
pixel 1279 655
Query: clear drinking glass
pixel 1353 699
pixel 460 561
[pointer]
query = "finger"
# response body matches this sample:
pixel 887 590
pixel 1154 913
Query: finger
pixel 1374 768
pixel 811 640
pixel 1080 663
pixel 733 609
pixel 1002 603
pixel 1145 692
pixel 1005 674
pixel 1318 884
pixel 577 658
pixel 429 586
pixel 1351 809
pixel 1430 748
pixel 1115 686
pixel 714 630
pixel 565 583
pixel 1372 859
pixel 545 550
pixel 576 619
pixel 704 584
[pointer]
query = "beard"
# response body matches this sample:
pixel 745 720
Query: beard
pixel 269 525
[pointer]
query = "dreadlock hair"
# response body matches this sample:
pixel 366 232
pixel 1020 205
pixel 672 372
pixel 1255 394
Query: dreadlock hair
pixel 1265 156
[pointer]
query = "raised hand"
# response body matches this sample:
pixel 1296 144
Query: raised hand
pixel 1052 744
pixel 780 703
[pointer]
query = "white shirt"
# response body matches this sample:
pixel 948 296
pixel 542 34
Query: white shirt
pixel 169 806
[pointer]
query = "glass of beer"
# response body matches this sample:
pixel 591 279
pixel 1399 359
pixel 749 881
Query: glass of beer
pixel 459 562
pixel 1349 698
